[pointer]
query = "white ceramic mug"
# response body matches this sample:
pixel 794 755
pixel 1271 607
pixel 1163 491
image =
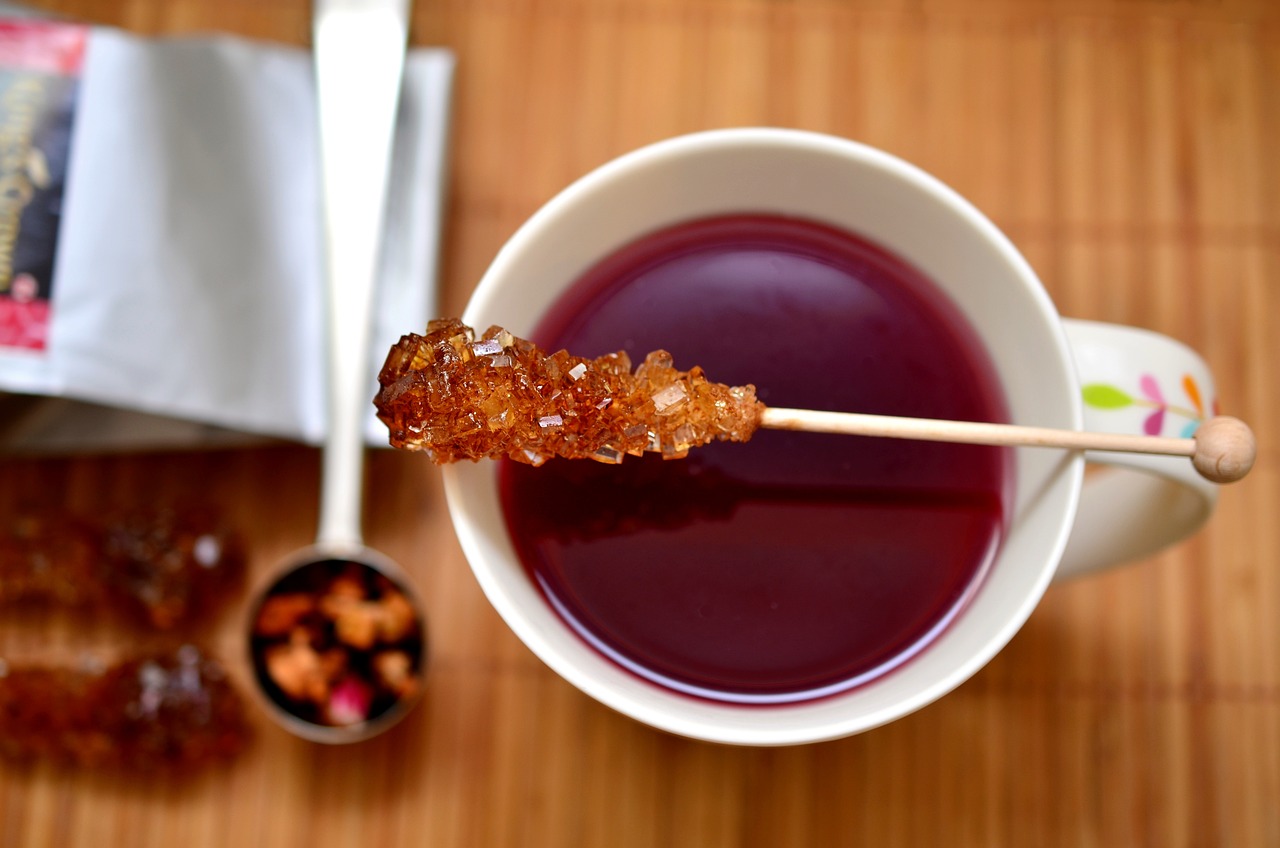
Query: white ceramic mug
pixel 1054 372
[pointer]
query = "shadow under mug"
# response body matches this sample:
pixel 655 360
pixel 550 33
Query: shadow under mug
pixel 1048 367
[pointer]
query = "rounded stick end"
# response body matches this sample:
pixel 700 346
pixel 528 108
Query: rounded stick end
pixel 1225 449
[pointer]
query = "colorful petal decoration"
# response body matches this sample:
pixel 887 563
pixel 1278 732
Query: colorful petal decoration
pixel 1193 392
pixel 1154 423
pixel 1151 388
pixel 1107 396
pixel 1103 396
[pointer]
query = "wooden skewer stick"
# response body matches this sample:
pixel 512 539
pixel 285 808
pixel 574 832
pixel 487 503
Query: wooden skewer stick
pixel 1222 450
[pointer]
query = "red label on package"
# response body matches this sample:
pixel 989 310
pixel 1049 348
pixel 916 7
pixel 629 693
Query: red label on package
pixel 40 66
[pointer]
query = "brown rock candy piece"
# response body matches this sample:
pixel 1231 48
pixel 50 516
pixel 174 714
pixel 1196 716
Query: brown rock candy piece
pixel 170 567
pixel 50 557
pixel 175 709
pixel 455 397
pixel 165 568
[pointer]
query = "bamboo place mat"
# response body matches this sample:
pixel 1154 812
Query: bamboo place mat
pixel 1127 147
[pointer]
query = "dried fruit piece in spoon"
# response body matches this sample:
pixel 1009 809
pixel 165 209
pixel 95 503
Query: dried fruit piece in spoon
pixel 166 710
pixel 455 396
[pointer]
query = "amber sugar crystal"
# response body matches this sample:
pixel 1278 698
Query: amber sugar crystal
pixel 455 396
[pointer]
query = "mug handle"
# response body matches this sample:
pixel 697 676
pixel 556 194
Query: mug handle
pixel 1131 506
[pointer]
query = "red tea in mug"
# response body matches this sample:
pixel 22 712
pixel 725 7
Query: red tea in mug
pixel 797 565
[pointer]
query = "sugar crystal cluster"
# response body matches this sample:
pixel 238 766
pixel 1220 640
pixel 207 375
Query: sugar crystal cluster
pixel 455 396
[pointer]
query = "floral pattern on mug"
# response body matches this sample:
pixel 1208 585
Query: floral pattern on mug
pixel 1107 396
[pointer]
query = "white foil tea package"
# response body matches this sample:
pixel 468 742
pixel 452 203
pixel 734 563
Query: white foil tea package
pixel 160 237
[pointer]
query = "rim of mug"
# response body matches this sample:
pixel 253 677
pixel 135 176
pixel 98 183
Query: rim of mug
pixel 725 724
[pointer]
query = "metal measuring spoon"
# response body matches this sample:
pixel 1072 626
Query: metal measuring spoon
pixel 359 50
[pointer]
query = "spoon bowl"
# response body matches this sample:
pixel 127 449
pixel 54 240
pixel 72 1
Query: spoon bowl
pixel 337 643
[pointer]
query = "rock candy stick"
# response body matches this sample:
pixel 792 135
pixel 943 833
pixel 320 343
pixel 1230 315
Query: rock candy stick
pixel 456 397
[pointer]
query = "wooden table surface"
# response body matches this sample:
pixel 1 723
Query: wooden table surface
pixel 1126 146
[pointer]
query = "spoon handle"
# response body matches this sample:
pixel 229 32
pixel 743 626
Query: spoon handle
pixel 359 62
